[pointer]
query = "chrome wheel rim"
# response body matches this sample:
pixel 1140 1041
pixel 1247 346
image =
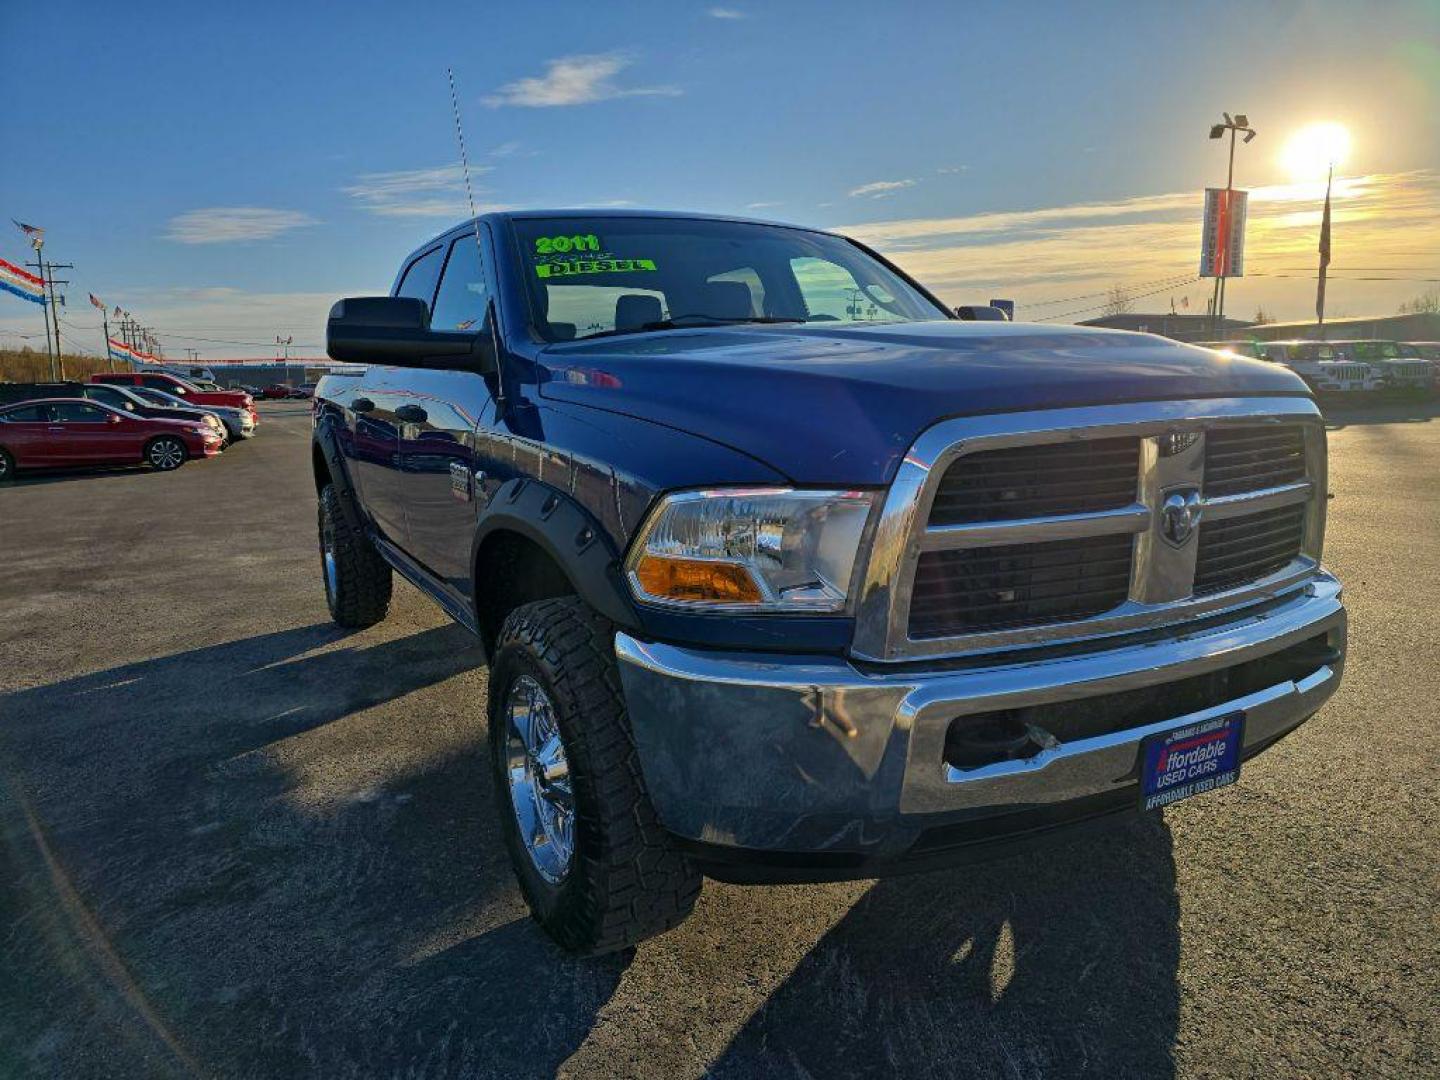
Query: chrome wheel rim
pixel 332 566
pixel 539 779
pixel 166 454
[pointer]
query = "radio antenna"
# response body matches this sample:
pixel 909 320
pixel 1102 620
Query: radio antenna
pixel 464 159
pixel 479 247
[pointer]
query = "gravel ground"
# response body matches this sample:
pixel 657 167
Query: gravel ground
pixel 240 842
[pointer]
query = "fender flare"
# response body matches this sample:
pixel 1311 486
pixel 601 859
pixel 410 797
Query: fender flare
pixel 569 534
pixel 324 437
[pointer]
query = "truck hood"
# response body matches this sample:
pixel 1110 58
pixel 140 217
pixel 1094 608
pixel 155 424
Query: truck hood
pixel 841 405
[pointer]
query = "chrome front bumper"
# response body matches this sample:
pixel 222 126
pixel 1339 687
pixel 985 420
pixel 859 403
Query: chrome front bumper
pixel 791 754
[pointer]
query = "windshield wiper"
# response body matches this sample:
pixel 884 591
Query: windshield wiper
pixel 681 323
pixel 678 321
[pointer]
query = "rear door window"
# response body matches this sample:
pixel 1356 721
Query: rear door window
pixel 76 412
pixel 460 304
pixel 28 414
pixel 421 276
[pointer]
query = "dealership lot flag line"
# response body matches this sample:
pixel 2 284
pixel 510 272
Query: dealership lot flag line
pixel 21 282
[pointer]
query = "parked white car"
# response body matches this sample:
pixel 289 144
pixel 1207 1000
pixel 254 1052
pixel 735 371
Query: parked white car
pixel 1324 367
pixel 1397 366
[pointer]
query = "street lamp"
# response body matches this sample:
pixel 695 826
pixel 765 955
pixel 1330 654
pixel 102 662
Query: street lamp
pixel 1238 123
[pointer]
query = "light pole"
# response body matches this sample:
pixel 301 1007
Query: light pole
pixel 1240 122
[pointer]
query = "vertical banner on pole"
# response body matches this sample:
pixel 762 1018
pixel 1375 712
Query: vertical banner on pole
pixel 1222 237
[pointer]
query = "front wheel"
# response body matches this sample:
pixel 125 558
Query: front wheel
pixel 7 467
pixel 594 864
pixel 165 453
pixel 358 581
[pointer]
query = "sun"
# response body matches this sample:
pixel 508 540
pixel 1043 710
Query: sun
pixel 1314 148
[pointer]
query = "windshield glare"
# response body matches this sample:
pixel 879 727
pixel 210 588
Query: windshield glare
pixel 592 276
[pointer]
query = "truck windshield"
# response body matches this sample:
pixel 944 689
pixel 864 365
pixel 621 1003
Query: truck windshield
pixel 618 275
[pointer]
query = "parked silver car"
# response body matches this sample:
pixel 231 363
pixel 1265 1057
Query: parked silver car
pixel 239 424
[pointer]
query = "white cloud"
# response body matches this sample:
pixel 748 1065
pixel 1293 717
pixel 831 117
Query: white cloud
pixel 432 192
pixel 726 13
pixel 575 80
pixel 880 189
pixel 946 170
pixel 234 224
pixel 761 205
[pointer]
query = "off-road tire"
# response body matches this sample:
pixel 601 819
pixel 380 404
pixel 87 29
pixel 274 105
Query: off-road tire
pixel 358 594
pixel 627 881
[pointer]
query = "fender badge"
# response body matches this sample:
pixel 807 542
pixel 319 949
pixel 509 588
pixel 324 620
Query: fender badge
pixel 460 481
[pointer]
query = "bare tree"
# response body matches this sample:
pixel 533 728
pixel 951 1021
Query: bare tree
pixel 1119 302
pixel 1262 317
pixel 1425 304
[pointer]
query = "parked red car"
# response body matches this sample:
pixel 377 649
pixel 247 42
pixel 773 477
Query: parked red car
pixel 73 431
pixel 171 384
pixel 272 393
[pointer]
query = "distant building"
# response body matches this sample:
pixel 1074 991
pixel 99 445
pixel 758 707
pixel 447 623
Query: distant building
pixel 1204 328
pixel 1183 327
pixel 1380 327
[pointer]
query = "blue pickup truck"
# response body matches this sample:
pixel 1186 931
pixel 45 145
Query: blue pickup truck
pixel 785 573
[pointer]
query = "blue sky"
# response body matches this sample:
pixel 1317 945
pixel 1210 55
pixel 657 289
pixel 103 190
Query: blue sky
pixel 225 172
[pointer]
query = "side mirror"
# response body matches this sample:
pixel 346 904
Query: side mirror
pixel 981 313
pixel 396 330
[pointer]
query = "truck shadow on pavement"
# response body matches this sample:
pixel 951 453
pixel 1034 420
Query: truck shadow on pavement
pixel 1059 963
pixel 277 857
pixel 188 897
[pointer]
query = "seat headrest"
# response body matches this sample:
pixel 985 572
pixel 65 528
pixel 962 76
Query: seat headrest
pixel 634 310
pixel 727 300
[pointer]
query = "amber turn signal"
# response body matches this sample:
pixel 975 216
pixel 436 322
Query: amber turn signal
pixel 698 580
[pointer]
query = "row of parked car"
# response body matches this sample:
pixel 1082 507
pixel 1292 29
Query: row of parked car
pixel 1349 367
pixel 119 418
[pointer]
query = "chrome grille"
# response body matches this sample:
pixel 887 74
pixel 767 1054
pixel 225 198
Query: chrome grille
pixel 1035 481
pixel 1027 528
pixel 1247 458
pixel 1347 372
pixel 1239 550
pixel 1018 585
pixel 1410 371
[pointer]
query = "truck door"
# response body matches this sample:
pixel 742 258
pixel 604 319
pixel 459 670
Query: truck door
pixel 375 445
pixel 443 475
pixel 86 434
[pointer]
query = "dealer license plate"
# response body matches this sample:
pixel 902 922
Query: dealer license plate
pixel 1191 760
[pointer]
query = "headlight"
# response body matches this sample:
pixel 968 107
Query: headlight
pixel 773 549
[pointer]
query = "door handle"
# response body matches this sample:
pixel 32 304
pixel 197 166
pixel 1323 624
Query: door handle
pixel 57 427
pixel 362 405
pixel 411 414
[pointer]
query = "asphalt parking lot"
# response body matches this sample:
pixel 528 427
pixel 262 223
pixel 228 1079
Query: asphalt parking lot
pixel 238 841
